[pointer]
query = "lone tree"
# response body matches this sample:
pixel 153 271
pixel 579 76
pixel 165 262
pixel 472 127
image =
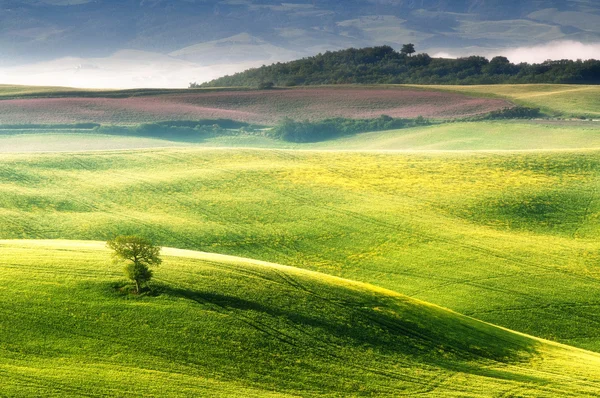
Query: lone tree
pixel 408 49
pixel 138 254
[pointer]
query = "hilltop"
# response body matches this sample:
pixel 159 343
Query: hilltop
pixel 384 65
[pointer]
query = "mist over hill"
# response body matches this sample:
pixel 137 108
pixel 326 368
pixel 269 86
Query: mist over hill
pixel 212 34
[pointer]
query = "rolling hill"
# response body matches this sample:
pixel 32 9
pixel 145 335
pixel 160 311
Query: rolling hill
pixel 508 238
pixel 217 326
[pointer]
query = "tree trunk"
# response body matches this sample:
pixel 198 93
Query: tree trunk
pixel 137 287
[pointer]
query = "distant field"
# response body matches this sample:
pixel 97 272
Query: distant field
pixel 16 91
pixel 252 106
pixel 555 99
pixel 220 326
pixel 509 238
pixel 76 142
pixel 493 135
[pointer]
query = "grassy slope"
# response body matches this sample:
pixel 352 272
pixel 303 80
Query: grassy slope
pixel 554 99
pixel 18 91
pixel 7 90
pixel 508 238
pixel 222 327
pixel 496 135
pixel 15 91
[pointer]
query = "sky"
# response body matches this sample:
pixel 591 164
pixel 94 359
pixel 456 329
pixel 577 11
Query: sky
pixel 158 43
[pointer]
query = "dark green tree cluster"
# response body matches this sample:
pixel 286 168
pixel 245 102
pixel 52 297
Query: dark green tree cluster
pixel 384 65
pixel 315 131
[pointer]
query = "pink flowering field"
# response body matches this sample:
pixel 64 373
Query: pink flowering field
pixel 260 107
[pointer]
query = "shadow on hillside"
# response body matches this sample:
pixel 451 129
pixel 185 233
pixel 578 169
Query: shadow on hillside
pixel 326 324
pixel 188 131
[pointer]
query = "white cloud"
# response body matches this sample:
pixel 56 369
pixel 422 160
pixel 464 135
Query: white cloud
pixel 554 50
pixel 443 54
pixel 124 69
pixel 133 69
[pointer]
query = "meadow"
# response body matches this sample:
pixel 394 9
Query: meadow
pixel 509 238
pixel 217 326
pixel 413 261
pixel 522 135
pixel 559 100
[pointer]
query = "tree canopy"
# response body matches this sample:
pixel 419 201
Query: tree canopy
pixel 384 65
pixel 138 254
pixel 408 49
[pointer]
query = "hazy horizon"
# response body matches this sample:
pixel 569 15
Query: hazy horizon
pixel 107 44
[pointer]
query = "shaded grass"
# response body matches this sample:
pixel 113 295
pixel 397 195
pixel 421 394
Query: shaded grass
pixel 460 136
pixel 219 327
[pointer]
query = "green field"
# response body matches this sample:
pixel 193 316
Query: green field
pixel 419 261
pixel 16 91
pixel 510 238
pixel 463 136
pixel 562 100
pixel 218 326
pixel 476 136
pixel 76 141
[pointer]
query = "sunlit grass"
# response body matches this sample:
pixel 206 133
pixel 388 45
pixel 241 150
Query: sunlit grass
pixel 566 100
pixel 508 238
pixel 222 327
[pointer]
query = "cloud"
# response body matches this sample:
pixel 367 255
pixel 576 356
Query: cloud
pixel 138 69
pixel 555 50
pixel 124 69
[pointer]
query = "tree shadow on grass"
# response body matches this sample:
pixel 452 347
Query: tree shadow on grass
pixel 450 342
pixel 321 324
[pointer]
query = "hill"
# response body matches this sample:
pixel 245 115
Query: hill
pixel 383 65
pixel 509 238
pixel 217 326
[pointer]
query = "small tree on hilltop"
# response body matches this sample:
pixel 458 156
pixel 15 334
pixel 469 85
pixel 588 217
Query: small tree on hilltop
pixel 138 254
pixel 408 49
